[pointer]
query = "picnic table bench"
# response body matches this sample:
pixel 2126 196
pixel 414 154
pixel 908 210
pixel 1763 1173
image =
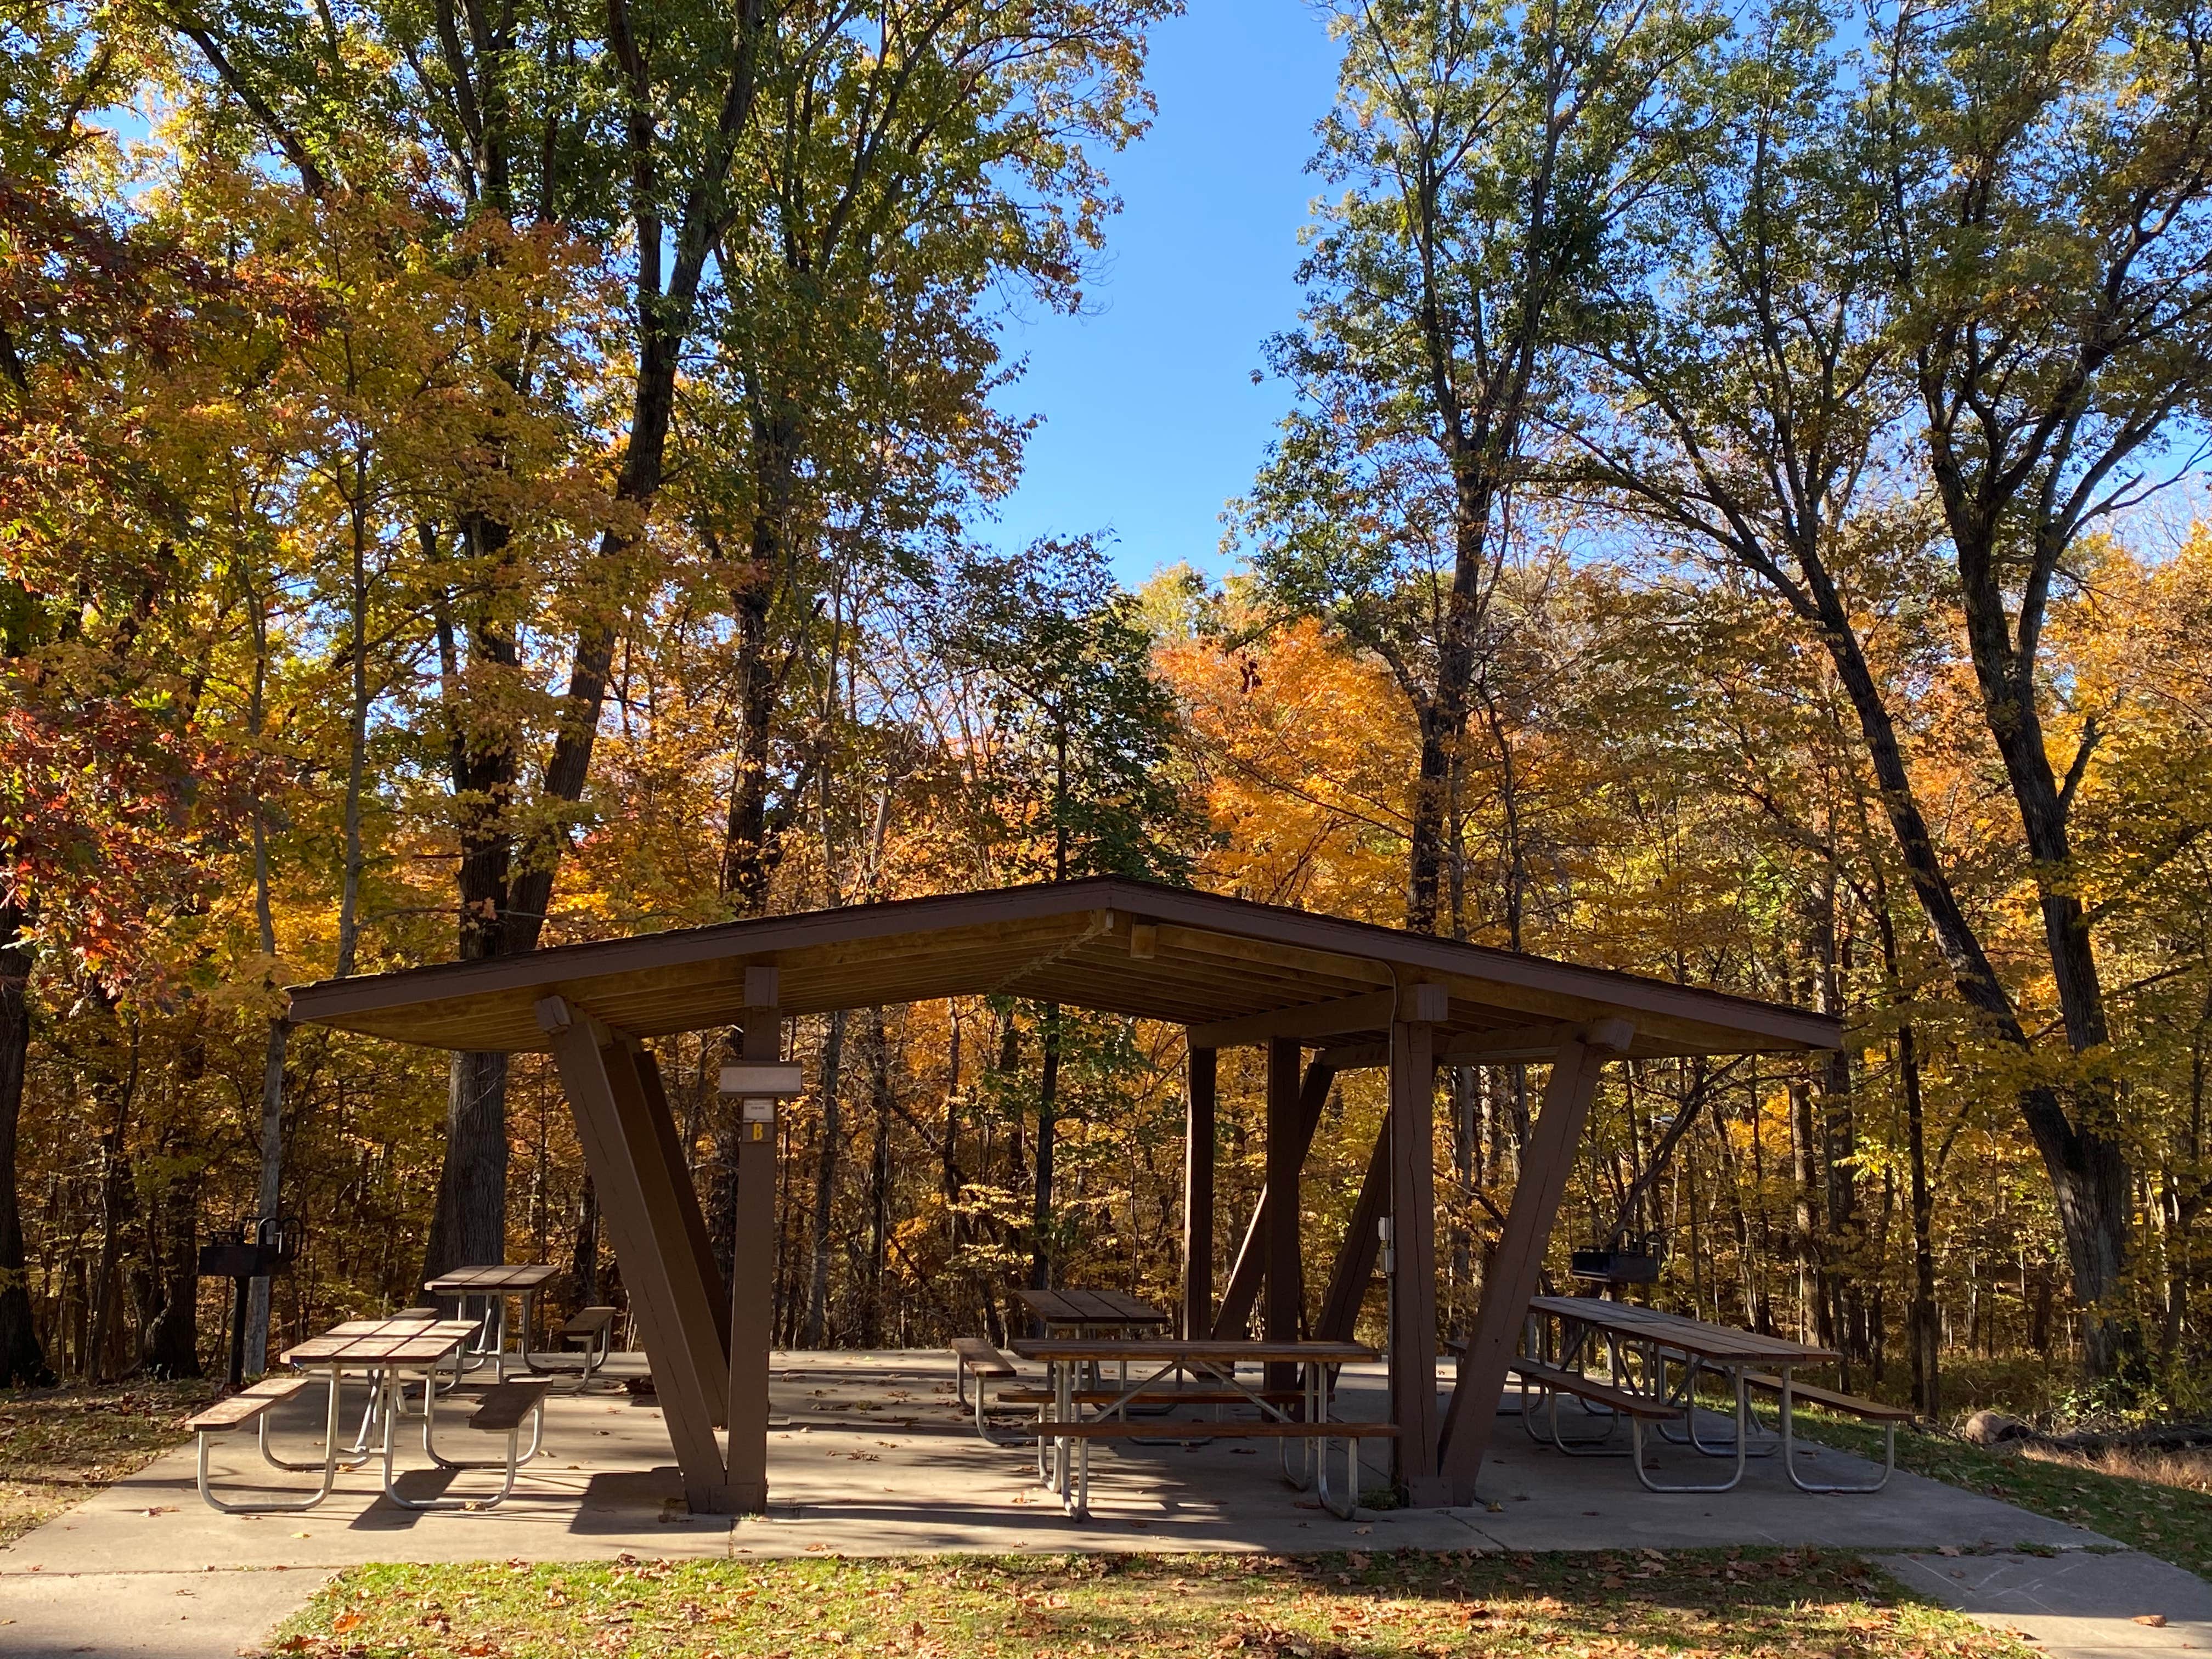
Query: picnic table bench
pixel 1064 1434
pixel 394 1355
pixel 594 1328
pixel 252 1405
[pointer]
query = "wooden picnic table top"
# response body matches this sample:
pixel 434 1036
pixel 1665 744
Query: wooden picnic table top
pixel 1082 1307
pixel 1724 1343
pixel 1201 1351
pixel 493 1277
pixel 394 1324
pixel 375 1342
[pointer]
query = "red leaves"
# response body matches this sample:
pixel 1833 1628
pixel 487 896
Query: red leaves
pixel 111 806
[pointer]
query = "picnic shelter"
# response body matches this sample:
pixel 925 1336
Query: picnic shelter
pixel 1320 994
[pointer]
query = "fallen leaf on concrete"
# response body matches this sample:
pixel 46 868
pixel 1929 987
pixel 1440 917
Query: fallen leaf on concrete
pixel 2156 1620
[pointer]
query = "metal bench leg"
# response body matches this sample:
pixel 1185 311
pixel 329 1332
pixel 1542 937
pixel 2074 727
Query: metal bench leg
pixel 1588 1445
pixel 352 1458
pixel 1528 1417
pixel 1350 1505
pixel 1688 1435
pixel 983 1425
pixel 1636 1441
pixel 281 1506
pixel 1824 1488
pixel 429 1412
pixel 536 1439
pixel 1316 1411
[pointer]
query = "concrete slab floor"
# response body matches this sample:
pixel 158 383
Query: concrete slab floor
pixel 2077 1604
pixel 869 1454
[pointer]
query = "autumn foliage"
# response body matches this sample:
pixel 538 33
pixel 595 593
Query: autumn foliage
pixel 460 494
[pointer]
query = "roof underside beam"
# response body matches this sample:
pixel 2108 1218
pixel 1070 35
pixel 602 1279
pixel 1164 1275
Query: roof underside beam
pixel 1370 1011
pixel 1501 1047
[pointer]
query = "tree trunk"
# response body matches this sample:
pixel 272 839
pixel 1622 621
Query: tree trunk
pixel 272 1185
pixel 172 1336
pixel 1805 1230
pixel 1465 1140
pixel 23 1361
pixel 470 1225
pixel 1843 1262
pixel 119 1195
pixel 825 1185
pixel 1926 1386
pixel 584 1257
pixel 749 853
pixel 2087 1170
pixel 1041 1222
pixel 883 1104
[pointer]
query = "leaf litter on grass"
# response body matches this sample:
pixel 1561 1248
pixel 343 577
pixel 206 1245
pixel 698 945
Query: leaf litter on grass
pixel 1739 1604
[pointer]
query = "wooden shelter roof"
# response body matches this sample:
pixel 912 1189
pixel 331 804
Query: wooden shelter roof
pixel 1240 971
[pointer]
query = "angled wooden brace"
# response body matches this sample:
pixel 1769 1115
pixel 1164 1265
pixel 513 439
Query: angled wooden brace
pixel 1355 1261
pixel 1516 1267
pixel 1251 1269
pixel 674 1287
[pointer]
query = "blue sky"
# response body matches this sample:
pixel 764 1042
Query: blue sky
pixel 1151 421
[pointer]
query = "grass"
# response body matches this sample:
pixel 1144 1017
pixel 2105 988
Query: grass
pixel 58 1446
pixel 1737 1604
pixel 2148 1503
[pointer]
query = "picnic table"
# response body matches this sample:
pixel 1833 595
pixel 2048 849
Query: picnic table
pixel 1075 1416
pixel 393 1352
pixel 1654 1361
pixel 494 1283
pixel 1092 1311
pixel 1083 1310
pixel 355 1345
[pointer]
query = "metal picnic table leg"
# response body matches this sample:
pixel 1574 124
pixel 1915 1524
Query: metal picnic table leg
pixel 1063 1405
pixel 1825 1488
pixel 1690 1436
pixel 1313 1404
pixel 351 1458
pixel 1743 1412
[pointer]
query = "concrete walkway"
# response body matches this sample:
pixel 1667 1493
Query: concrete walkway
pixel 2118 1605
pixel 869 1454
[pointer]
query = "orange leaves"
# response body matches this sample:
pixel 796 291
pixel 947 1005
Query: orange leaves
pixel 1305 756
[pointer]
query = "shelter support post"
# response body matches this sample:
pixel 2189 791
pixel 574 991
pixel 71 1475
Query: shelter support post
pixel 1282 1312
pixel 1516 1267
pixel 1198 1196
pixel 1245 1277
pixel 1411 1121
pixel 1355 1261
pixel 673 1284
pixel 752 1254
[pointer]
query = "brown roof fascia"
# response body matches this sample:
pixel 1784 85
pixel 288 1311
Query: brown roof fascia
pixel 765 940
